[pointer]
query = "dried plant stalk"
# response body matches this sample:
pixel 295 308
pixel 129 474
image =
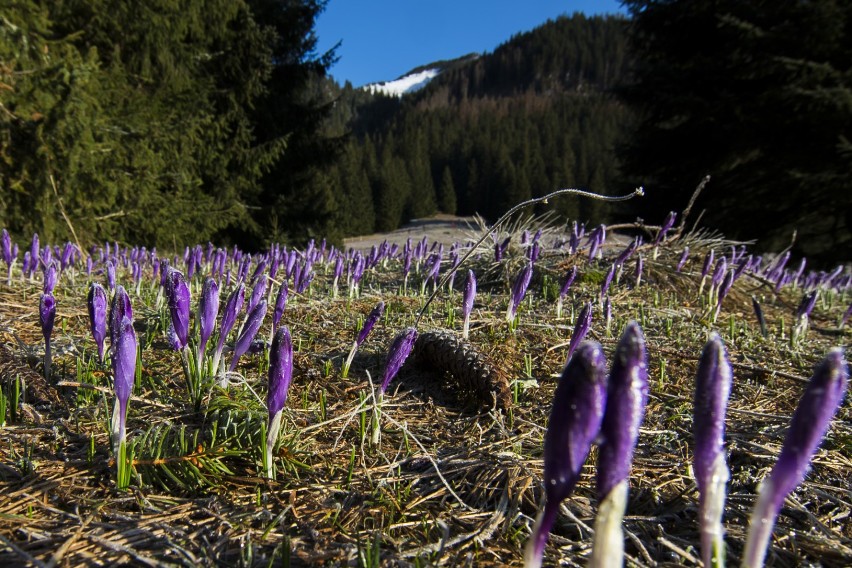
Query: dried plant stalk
pixel 446 352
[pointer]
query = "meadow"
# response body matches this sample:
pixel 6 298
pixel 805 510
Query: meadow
pixel 448 469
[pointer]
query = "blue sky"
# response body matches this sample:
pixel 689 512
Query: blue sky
pixel 383 39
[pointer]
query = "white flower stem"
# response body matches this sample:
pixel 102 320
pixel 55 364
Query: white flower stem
pixel 608 545
pixel 760 526
pixel 271 438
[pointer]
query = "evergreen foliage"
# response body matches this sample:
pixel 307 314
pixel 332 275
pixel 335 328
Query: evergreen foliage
pixel 758 95
pixel 153 123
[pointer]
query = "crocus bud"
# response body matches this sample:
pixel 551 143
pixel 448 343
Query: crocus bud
pixel 119 309
pixel 6 247
pixel 712 389
pixel 280 375
pixel 177 293
pixel 97 305
pixel 257 292
pixel 810 421
pixel 569 279
pixel 575 420
pixel 519 290
pixel 683 257
pixel 627 394
pixel 47 314
pixel 110 272
pixel 49 278
pixel 371 320
pixel 667 224
pixel 581 327
pixel 208 309
pixel 124 373
pixel 467 301
pixel 252 325
pixel 399 351
pixel 280 305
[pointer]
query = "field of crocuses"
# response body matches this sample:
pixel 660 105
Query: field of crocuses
pixel 540 394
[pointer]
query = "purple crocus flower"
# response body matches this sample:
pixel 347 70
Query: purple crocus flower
pixel 519 290
pixel 46 318
pixel 250 329
pixel 257 292
pixel 208 309
pixel 575 420
pixel 810 421
pixel 124 373
pixel 708 263
pixel 177 293
pixel 667 224
pixel 280 376
pixel 606 282
pixel 806 306
pixel 467 302
pixel 712 389
pixel 569 279
pixel 280 305
pixel 581 328
pixel 229 317
pixel 97 305
pixel 49 278
pixel 399 351
pixel 627 394
pixel 119 309
pixel 9 252
pixel 110 272
pixel 372 318
pixel 683 257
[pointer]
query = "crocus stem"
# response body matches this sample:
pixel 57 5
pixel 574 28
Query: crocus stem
pixel 534 551
pixel 711 507
pixel 377 412
pixel 761 524
pixel 47 359
pixel 608 545
pixel 346 364
pixel 117 426
pixel 466 327
pixel 271 438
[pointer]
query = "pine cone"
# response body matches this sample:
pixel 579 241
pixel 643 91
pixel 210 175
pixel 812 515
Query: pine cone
pixel 445 352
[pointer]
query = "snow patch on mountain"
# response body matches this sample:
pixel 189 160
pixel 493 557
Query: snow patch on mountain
pixel 405 84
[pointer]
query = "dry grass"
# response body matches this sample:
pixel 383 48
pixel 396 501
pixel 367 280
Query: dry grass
pixel 451 483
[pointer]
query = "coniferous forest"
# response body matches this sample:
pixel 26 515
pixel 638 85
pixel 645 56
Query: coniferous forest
pixel 190 121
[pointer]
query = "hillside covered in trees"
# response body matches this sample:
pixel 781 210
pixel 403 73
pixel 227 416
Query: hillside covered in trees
pixel 490 131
